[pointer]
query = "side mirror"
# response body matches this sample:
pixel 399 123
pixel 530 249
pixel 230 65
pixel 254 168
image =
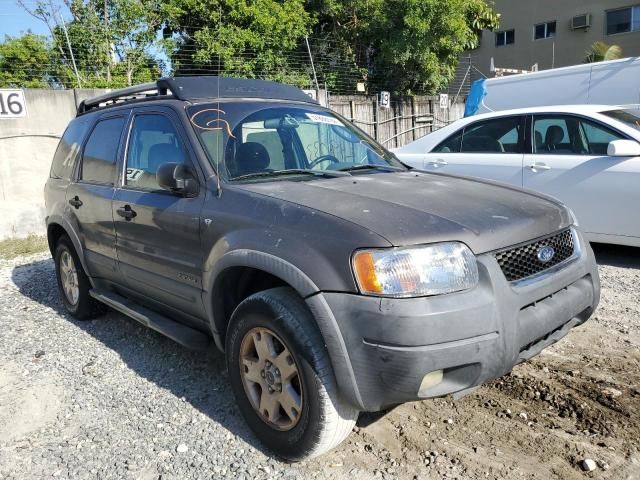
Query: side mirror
pixel 177 178
pixel 623 148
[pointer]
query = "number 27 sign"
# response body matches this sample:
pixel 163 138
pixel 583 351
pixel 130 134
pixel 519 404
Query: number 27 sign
pixel 12 103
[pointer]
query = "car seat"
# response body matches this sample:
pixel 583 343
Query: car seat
pixel 553 138
pixel 250 157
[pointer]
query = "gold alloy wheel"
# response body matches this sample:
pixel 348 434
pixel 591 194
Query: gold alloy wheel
pixel 270 378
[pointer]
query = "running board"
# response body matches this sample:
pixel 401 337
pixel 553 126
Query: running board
pixel 186 336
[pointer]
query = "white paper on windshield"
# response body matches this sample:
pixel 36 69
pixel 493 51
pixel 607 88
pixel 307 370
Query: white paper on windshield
pixel 324 119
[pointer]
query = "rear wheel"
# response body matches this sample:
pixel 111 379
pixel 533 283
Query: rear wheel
pixel 282 377
pixel 73 283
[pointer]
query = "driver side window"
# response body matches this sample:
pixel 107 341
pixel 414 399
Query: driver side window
pixel 152 142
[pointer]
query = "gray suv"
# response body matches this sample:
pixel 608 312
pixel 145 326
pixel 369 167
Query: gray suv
pixel 335 279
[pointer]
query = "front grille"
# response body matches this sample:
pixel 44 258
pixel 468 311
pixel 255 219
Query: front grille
pixel 522 261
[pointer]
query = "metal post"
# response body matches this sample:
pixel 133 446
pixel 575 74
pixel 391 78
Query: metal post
pixel 315 78
pixel 377 119
pixel 413 118
pixel 73 60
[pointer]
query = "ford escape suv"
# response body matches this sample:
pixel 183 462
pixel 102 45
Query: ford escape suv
pixel 242 214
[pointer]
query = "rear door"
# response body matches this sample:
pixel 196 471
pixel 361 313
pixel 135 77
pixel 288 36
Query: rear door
pixel 569 161
pixel 89 196
pixel 158 232
pixel 491 148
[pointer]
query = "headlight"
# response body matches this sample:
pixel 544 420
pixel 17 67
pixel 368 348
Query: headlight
pixel 574 220
pixel 416 271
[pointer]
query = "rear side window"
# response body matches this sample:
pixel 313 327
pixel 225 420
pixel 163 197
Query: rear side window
pixel 101 151
pixel 68 149
pixel 498 135
pixel 451 144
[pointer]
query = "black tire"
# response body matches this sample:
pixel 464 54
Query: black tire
pixel 85 307
pixel 325 419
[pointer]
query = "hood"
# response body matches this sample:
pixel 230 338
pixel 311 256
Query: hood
pixel 411 208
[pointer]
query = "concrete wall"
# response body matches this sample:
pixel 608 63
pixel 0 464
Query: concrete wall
pixel 568 47
pixel 26 149
pixel 27 144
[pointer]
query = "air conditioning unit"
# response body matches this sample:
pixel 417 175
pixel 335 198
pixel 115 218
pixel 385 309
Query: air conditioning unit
pixel 581 22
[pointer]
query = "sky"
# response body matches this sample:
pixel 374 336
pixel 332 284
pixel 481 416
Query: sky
pixel 15 21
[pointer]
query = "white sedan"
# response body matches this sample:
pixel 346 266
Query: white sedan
pixel 587 156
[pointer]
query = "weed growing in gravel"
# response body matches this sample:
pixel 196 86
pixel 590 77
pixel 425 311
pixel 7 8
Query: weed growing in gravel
pixel 15 247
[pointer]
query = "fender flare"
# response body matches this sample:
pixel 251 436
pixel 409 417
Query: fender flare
pixel 75 240
pixel 309 291
pixel 266 262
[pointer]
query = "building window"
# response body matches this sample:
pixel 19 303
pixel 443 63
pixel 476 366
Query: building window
pixel 623 20
pixel 544 30
pixel 507 37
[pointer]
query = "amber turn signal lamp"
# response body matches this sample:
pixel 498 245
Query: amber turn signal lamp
pixel 366 273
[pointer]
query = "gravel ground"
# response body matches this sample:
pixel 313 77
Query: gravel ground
pixel 110 399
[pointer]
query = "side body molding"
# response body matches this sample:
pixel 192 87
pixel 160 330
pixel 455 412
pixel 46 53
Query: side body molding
pixel 308 290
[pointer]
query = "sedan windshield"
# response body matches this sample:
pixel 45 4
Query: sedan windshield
pixel 630 117
pixel 262 141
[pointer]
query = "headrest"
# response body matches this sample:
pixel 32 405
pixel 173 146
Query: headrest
pixel 163 153
pixel 251 157
pixel 554 135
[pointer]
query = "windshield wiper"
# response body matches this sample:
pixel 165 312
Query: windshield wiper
pixel 293 171
pixel 368 166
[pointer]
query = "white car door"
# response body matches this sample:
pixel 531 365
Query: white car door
pixel 569 161
pixel 491 148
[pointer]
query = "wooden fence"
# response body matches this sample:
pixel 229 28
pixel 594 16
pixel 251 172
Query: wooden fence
pixel 405 121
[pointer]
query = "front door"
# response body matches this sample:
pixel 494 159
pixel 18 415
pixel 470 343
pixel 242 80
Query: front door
pixel 491 149
pixel 569 161
pixel 158 232
pixel 89 196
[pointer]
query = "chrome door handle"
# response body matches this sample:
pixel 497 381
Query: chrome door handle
pixel 438 163
pixel 539 166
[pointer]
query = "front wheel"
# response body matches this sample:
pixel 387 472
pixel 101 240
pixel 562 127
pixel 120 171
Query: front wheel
pixel 282 377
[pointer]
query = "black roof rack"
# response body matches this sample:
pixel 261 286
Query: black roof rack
pixel 200 87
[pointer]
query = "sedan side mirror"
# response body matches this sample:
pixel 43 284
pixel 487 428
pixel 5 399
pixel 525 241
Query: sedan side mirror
pixel 623 148
pixel 177 178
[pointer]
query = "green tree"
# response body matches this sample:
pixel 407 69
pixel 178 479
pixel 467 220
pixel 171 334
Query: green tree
pixel 600 51
pixel 253 39
pixel 25 61
pixel 406 46
pixel 110 42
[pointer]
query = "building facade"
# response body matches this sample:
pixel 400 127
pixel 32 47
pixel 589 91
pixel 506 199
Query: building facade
pixel 556 33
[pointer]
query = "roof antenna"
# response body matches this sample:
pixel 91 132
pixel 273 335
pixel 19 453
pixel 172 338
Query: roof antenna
pixel 219 185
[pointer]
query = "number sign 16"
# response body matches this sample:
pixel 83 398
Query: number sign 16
pixel 12 104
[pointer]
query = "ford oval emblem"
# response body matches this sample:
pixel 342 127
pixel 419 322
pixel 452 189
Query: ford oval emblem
pixel 546 253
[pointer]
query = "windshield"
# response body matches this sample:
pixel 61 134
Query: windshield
pixel 259 140
pixel 630 117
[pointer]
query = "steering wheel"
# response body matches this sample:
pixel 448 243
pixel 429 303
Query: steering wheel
pixel 324 158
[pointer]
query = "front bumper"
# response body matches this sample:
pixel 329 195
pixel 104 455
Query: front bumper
pixel 473 336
